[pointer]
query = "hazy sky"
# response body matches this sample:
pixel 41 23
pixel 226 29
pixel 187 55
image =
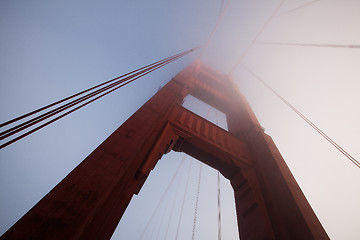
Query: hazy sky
pixel 52 49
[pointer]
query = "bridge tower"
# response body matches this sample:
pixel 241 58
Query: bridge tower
pixel 89 202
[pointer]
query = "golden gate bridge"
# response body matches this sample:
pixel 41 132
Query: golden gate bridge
pixel 314 45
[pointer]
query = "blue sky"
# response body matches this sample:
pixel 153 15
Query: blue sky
pixel 52 49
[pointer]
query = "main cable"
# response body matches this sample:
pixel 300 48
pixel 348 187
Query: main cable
pixel 122 83
pixel 221 15
pixel 297 8
pixel 90 101
pixel 82 92
pixel 42 117
pixel 257 36
pixel 332 142
pixel 312 45
pixel 29 123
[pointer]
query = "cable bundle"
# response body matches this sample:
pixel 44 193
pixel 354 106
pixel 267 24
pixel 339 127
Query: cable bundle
pixel 80 100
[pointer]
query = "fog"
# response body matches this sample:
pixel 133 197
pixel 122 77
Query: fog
pixel 52 49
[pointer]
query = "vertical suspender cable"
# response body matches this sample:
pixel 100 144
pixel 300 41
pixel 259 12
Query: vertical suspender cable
pixel 196 203
pixel 218 192
pixel 219 206
pixel 183 201
pixel 162 198
pixel 163 214
pixel 173 205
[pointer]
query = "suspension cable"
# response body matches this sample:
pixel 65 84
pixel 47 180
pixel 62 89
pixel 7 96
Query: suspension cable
pixel 218 192
pixel 173 205
pixel 221 15
pixel 332 142
pixel 29 123
pixel 165 208
pixel 196 203
pixel 221 7
pixel 219 206
pixel 122 83
pixel 297 8
pixel 312 45
pixel 65 114
pixel 256 37
pixel 183 201
pixel 163 196
pixel 82 92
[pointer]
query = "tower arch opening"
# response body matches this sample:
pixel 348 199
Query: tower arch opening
pixel 206 111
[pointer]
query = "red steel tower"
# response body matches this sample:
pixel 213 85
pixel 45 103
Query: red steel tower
pixel 89 202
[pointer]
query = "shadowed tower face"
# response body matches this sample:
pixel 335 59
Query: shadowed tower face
pixel 90 201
